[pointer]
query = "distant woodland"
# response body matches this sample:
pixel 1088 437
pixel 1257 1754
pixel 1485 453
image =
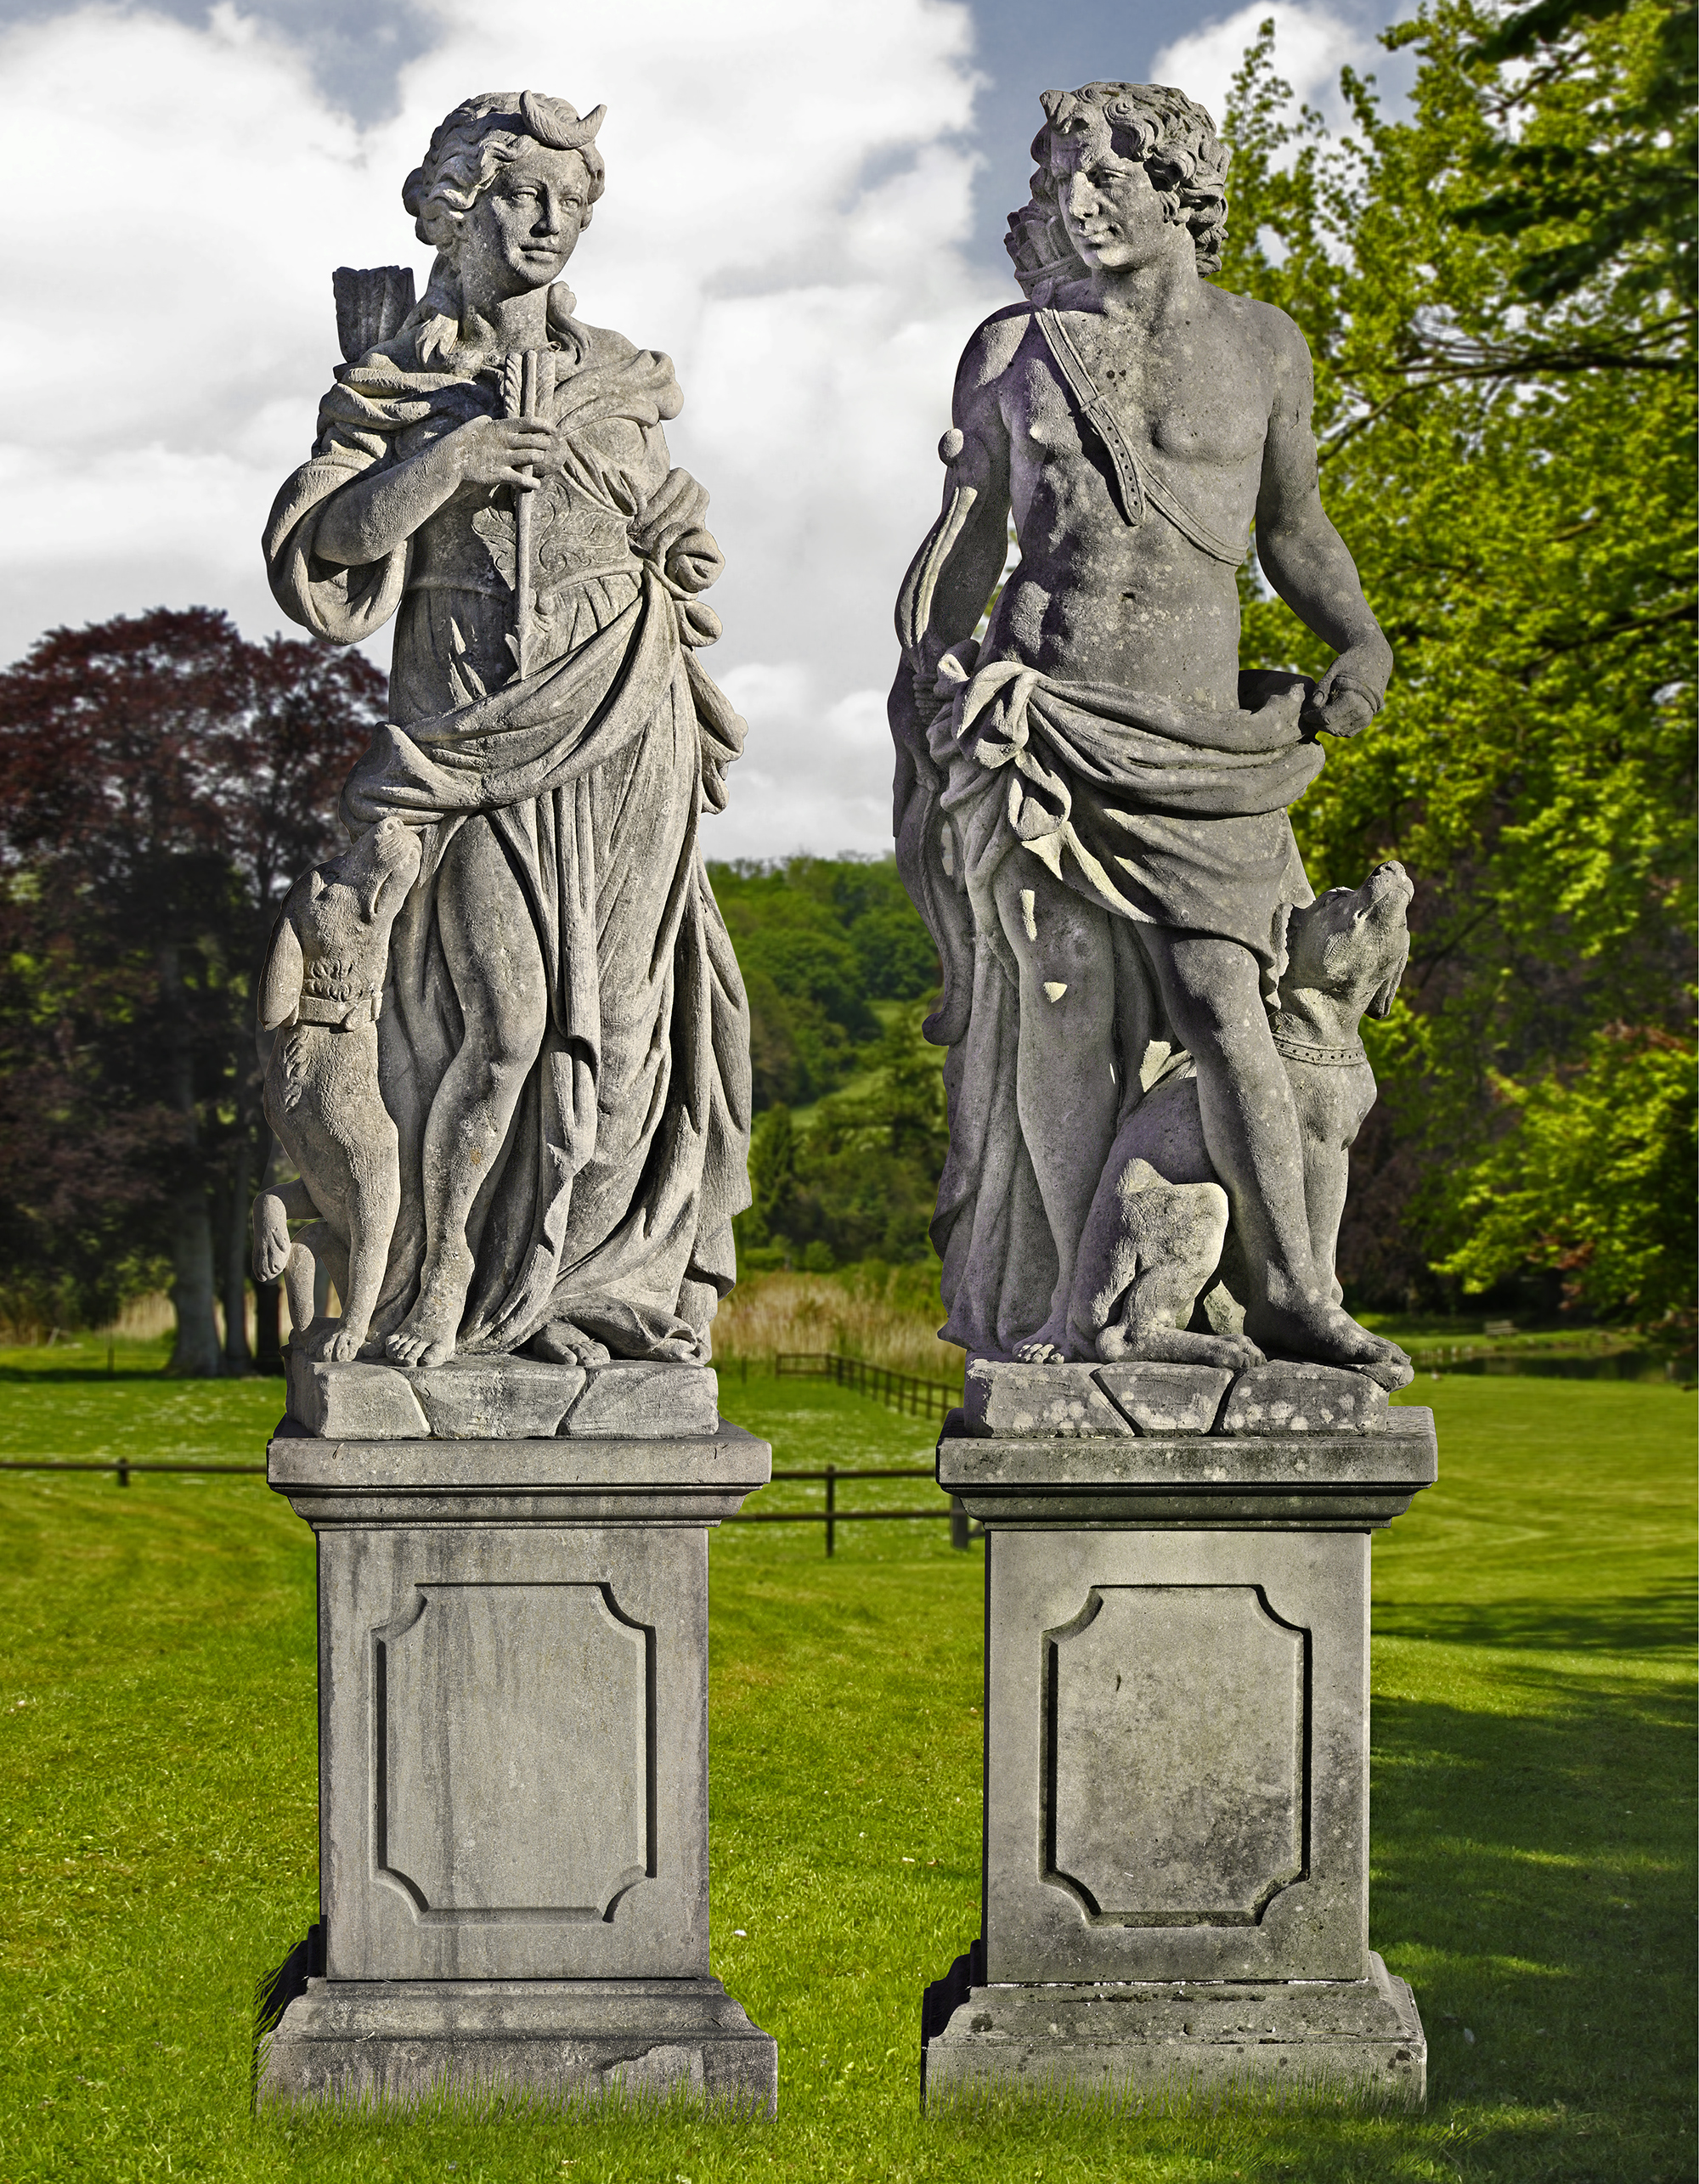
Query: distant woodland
pixel 849 1123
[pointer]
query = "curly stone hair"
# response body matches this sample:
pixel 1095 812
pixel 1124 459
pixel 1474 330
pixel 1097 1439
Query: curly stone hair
pixel 1173 136
pixel 468 149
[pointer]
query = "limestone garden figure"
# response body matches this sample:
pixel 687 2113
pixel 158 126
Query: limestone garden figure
pixel 562 1037
pixel 1092 803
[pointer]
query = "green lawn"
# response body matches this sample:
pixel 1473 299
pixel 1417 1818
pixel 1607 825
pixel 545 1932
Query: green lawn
pixel 1533 1814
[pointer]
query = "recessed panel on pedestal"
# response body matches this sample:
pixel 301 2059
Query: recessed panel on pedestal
pixel 512 1751
pixel 1176 1732
pixel 1176 1765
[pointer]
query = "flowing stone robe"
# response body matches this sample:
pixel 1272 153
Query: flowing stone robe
pixel 1159 815
pixel 609 1205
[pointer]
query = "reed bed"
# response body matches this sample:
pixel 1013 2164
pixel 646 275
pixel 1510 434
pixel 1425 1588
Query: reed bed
pixel 889 1315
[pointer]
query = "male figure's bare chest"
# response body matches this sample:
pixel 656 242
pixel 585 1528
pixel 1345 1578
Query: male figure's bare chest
pixel 1183 396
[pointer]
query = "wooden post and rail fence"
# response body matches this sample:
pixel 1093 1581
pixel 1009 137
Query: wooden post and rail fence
pixel 903 1392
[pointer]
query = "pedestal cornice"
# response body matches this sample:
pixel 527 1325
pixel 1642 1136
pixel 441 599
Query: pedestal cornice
pixel 603 1482
pixel 1290 1482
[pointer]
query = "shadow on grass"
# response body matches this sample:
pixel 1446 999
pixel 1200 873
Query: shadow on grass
pixel 1533 1880
pixel 1657 1621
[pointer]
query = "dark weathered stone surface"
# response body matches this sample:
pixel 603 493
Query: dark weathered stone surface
pixel 500 1398
pixel 642 1401
pixel 509 1117
pixel 1308 1482
pixel 1062 1400
pixel 1176 1781
pixel 353 1402
pixel 1167 1398
pixel 1163 2039
pixel 1067 1402
pixel 400 2041
pixel 496 1398
pixel 505 1050
pixel 1092 798
pixel 1177 1764
pixel 1286 1398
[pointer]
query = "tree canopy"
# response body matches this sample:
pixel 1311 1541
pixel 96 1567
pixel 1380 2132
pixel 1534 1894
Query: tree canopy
pixel 162 783
pixel 1498 290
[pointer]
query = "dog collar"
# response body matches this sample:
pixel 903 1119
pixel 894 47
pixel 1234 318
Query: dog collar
pixel 1309 1050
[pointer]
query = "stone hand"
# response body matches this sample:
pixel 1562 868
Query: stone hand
pixel 693 561
pixel 670 531
pixel 1349 694
pixel 496 451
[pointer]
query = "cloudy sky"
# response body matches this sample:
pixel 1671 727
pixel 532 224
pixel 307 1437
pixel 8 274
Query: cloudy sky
pixel 804 207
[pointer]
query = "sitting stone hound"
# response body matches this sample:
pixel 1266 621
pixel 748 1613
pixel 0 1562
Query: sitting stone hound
pixel 318 1006
pixel 1158 1251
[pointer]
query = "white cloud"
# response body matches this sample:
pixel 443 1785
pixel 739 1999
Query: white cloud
pixel 1312 45
pixel 189 190
pixel 841 797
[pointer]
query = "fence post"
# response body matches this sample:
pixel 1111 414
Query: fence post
pixel 831 1507
pixel 123 1472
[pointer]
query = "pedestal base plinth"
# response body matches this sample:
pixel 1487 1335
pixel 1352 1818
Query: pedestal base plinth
pixel 1168 2039
pixel 1175 1893
pixel 357 2042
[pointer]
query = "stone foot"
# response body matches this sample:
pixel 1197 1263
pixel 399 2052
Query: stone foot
pixel 1049 1347
pixel 561 1343
pixel 427 1334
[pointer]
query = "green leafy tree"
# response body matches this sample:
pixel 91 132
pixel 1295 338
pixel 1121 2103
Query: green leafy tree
pixel 1498 291
pixel 820 939
pixel 162 783
pixel 860 1181
pixel 1596 1183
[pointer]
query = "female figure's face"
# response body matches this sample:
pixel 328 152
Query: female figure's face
pixel 523 228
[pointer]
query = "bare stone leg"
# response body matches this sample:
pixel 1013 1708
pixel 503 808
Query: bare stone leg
pixel 1212 992
pixel 497 967
pixel 1065 1089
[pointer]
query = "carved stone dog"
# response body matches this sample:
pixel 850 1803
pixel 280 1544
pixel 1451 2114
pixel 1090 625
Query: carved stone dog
pixel 319 1005
pixel 1158 1244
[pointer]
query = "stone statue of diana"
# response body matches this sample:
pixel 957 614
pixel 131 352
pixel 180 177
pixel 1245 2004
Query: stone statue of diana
pixel 563 1036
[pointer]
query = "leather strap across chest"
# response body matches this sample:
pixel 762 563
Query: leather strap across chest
pixel 1140 483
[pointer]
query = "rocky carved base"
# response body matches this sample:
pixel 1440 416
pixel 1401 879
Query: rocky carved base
pixel 397 2041
pixel 499 1398
pixel 1173 2039
pixel 1072 1402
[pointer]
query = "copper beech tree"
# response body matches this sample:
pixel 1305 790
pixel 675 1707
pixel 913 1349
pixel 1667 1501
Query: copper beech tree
pixel 161 782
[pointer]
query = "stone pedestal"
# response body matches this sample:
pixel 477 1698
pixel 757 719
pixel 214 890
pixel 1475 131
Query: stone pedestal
pixel 1176 1736
pixel 513 1754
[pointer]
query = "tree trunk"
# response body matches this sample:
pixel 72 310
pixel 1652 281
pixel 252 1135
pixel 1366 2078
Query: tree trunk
pixel 195 1355
pixel 237 1203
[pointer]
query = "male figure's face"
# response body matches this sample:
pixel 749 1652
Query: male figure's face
pixel 1112 212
